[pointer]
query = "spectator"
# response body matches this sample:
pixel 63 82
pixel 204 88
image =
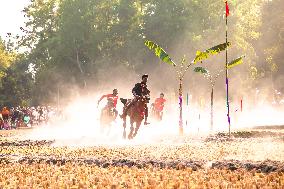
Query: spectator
pixel 5 113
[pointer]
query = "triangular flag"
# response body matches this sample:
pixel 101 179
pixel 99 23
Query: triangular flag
pixel 227 9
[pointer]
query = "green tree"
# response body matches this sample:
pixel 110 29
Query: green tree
pixel 71 42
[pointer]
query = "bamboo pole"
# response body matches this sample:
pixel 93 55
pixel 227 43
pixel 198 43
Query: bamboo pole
pixel 180 107
pixel 227 79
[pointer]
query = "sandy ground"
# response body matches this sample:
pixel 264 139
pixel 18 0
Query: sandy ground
pixel 249 159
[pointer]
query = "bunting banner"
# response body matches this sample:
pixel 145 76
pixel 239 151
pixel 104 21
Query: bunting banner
pixel 209 52
pixel 159 52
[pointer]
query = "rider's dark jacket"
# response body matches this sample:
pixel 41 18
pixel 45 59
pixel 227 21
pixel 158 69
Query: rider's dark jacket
pixel 140 89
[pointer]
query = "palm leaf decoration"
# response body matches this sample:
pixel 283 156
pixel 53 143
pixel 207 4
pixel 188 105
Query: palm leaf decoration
pixel 209 52
pixel 159 52
pixel 235 62
pixel 201 70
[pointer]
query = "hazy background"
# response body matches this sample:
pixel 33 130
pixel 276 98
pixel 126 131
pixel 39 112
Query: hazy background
pixel 67 50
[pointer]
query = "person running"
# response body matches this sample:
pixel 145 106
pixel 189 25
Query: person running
pixel 159 104
pixel 112 101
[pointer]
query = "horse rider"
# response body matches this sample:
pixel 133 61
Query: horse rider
pixel 113 98
pixel 139 90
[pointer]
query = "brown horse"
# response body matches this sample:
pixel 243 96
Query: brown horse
pixel 136 114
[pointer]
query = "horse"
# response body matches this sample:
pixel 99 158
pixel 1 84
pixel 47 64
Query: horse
pixel 136 114
pixel 107 116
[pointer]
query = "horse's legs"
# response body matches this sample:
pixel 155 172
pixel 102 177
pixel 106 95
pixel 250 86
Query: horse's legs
pixel 103 120
pixel 124 128
pixel 130 136
pixel 137 128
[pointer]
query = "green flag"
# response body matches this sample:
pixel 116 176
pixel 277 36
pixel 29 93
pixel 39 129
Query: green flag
pixel 209 52
pixel 159 52
pixel 235 62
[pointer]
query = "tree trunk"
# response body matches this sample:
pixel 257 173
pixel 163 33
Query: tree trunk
pixel 80 67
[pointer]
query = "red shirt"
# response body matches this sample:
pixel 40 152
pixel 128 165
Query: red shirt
pixel 110 97
pixel 5 112
pixel 159 104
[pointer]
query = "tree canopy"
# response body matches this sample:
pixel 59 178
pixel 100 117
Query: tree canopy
pixel 70 42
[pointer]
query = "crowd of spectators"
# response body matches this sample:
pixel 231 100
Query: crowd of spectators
pixel 15 117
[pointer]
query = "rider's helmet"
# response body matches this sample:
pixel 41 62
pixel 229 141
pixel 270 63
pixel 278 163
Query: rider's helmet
pixel 115 91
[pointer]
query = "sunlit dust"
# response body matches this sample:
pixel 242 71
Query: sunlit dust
pixel 81 126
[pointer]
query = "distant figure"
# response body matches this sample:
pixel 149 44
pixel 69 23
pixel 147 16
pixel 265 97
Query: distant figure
pixel 158 107
pixel 1 122
pixel 5 113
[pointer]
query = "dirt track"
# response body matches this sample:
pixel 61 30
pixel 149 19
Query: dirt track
pixel 250 153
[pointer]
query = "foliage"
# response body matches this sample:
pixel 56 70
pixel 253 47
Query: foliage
pixel 200 70
pixel 272 30
pixel 16 85
pixel 159 52
pixel 211 51
pixel 235 62
pixel 72 43
pixel 6 58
